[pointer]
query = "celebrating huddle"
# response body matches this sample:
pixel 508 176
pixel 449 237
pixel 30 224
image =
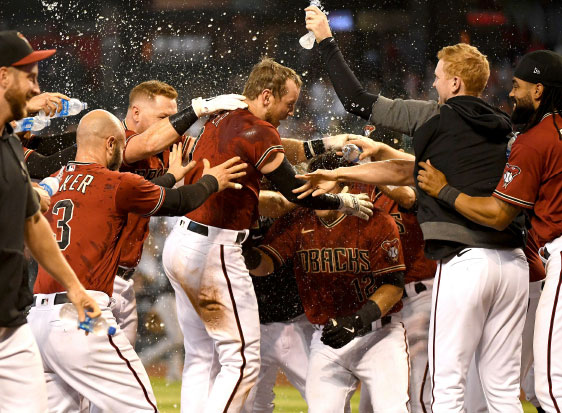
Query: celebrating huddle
pixel 410 275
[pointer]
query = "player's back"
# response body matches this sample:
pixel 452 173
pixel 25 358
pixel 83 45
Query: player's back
pixel 88 215
pixel 225 135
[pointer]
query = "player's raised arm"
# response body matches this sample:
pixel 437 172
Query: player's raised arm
pixel 405 116
pixel 279 171
pixel 273 205
pixel 489 211
pixel 396 172
pixel 167 131
pixel 301 151
pixel 186 198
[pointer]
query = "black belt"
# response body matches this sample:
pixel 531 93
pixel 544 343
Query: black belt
pixel 125 273
pixel 386 320
pixel 204 230
pixel 60 298
pixel 419 287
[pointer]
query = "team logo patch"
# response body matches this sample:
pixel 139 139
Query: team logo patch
pixel 510 172
pixel 392 249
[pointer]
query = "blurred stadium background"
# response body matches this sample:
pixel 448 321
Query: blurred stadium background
pixel 207 47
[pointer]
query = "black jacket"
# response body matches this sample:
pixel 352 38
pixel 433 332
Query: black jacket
pixel 467 141
pixel 18 201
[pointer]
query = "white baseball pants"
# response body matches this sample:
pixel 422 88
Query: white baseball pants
pixel 415 313
pixel 104 369
pixel 475 399
pixel 22 381
pixel 124 308
pixel 478 310
pixel 218 314
pixel 547 342
pixel 284 346
pixel 379 360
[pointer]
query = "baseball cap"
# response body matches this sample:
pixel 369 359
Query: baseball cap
pixel 540 66
pixel 15 50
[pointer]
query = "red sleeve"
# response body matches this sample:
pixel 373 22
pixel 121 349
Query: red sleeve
pixel 386 250
pixel 137 195
pixel 26 153
pixel 521 177
pixel 262 142
pixel 128 135
pixel 281 239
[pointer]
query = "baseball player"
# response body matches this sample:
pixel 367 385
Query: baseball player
pixel 400 203
pixel 350 276
pixel 88 215
pixel 468 138
pixel 152 125
pixel 531 180
pixel 285 332
pixel 202 257
pixel 22 382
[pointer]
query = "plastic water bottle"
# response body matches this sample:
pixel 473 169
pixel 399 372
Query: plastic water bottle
pixel 69 108
pixel 307 41
pixel 351 154
pixel 98 326
pixel 32 124
pixel 50 184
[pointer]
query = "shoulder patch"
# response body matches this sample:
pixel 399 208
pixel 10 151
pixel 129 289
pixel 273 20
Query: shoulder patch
pixel 392 249
pixel 510 172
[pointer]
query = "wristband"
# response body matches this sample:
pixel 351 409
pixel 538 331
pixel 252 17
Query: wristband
pixel 182 121
pixel 448 194
pixel 369 313
pixel 307 150
pixel 318 146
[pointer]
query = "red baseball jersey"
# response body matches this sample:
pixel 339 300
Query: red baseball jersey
pixel 228 134
pixel 136 231
pixel 532 178
pixel 88 216
pixel 536 267
pixel 336 264
pixel 418 267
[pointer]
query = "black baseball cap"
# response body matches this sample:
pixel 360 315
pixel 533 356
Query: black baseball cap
pixel 540 66
pixel 15 50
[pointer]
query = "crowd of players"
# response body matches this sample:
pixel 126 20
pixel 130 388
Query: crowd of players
pixel 429 304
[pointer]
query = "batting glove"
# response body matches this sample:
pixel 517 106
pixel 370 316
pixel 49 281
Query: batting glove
pixel 356 204
pixel 341 330
pixel 203 107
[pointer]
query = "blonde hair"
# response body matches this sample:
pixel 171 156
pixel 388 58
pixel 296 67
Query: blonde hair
pixel 152 88
pixel 469 64
pixel 268 74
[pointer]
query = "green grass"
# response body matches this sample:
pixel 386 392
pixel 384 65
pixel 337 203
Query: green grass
pixel 288 399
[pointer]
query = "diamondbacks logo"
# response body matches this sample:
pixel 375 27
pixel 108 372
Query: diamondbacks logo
pixel 392 249
pixel 510 172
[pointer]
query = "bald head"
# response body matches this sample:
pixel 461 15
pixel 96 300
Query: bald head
pixel 100 138
pixel 98 125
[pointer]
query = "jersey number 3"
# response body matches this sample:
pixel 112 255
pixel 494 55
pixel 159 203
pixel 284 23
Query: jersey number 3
pixel 64 207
